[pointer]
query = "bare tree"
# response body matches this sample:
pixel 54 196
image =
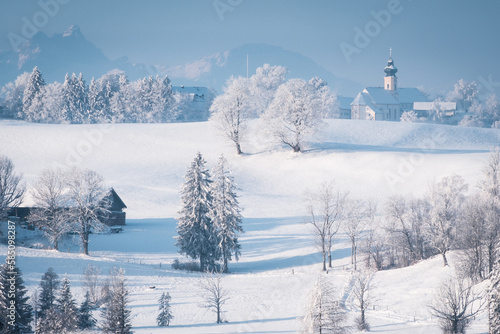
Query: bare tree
pixel 215 296
pixel 11 189
pixel 326 208
pixel 92 281
pixel 445 198
pixel 406 223
pixel 87 193
pixel 363 298
pixel 51 201
pixel 357 215
pixel 325 313
pixel 231 110
pixel 456 304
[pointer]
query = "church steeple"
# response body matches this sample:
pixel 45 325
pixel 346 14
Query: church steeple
pixel 390 79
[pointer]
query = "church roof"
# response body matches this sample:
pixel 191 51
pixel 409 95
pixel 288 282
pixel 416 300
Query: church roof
pixel 410 95
pixel 364 99
pixel 379 95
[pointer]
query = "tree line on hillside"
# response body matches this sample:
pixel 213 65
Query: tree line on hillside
pixel 109 99
pixel 289 110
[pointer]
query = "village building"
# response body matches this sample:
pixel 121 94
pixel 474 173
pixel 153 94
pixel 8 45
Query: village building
pixel 386 103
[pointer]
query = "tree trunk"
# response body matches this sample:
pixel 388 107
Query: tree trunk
pixel 225 269
pixel 330 259
pixel 238 149
pixel 85 241
pixel 56 244
pixel 445 261
pixel 296 148
pixel 218 314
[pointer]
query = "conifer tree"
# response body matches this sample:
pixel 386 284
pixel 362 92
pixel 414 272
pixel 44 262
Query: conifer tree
pixel 165 314
pixel 115 314
pixel 33 95
pixel 15 312
pixel 49 285
pixel 197 237
pixel 51 323
pixel 66 306
pixel 85 318
pixel 225 212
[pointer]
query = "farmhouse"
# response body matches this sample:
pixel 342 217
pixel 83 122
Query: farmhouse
pixel 386 103
pixel 112 202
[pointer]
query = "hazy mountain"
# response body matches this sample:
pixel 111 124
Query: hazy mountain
pixel 60 54
pixel 71 52
pixel 214 70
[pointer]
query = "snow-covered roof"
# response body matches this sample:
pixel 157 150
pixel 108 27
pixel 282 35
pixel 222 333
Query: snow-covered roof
pixel 345 102
pixel 444 106
pixel 410 95
pixel 363 99
pixel 379 95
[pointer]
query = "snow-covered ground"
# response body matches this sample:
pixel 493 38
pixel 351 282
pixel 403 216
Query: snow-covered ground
pixel 269 286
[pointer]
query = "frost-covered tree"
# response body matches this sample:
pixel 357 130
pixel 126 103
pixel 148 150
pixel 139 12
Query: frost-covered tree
pixel 85 318
pixel 465 94
pixel 445 198
pixel 66 306
pixel 197 236
pixel 328 99
pixel 324 312
pixel 326 209
pixel 12 103
pixel 225 212
pixel 51 323
pixel 116 314
pixel 74 91
pixel 120 102
pixel 13 295
pixel 53 105
pixel 405 222
pixel 494 300
pixel 91 282
pixel 215 295
pixel 456 304
pixel 33 96
pixel 48 294
pixel 165 313
pixel 296 111
pixel 231 110
pixel 50 196
pixel 11 189
pixel 263 85
pixel 86 192
pixel 363 298
pixel 357 215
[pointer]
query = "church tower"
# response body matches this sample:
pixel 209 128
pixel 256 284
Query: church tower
pixel 390 79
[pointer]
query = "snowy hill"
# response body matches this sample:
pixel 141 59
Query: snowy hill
pixel 145 163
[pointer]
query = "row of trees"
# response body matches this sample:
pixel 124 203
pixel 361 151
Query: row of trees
pixel 210 219
pixel 289 110
pixel 65 201
pixel 109 99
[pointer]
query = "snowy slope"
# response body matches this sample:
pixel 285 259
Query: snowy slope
pixel 146 163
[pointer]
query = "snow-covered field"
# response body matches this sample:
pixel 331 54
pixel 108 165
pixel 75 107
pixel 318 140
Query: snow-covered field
pixel 269 286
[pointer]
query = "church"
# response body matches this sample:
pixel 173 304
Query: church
pixel 386 103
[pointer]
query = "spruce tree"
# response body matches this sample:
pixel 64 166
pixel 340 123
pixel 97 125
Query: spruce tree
pixel 66 306
pixel 15 312
pixel 225 212
pixel 165 314
pixel 85 318
pixel 197 236
pixel 49 285
pixel 33 95
pixel 115 314
pixel 51 323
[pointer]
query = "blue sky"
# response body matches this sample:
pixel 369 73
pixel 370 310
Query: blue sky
pixel 434 42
